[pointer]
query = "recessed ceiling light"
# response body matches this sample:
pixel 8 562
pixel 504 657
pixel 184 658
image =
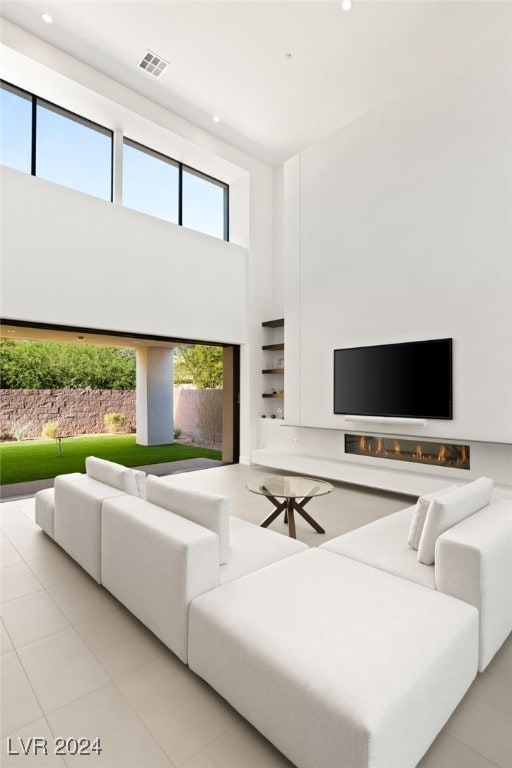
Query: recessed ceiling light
pixel 46 17
pixel 216 119
pixel 346 5
pixel 288 56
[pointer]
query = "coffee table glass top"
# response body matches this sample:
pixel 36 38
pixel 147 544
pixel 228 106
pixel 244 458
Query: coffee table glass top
pixel 289 487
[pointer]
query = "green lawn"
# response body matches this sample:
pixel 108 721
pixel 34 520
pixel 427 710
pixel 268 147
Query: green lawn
pixel 37 459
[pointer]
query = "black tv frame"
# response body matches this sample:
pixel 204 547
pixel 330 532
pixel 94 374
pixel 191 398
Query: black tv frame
pixel 402 414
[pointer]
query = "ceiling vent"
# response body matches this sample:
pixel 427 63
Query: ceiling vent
pixel 153 64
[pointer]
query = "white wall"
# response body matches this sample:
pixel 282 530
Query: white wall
pixel 235 303
pixel 72 259
pixel 399 229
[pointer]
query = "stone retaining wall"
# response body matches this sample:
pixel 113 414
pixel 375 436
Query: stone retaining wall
pixel 78 411
pixel 198 412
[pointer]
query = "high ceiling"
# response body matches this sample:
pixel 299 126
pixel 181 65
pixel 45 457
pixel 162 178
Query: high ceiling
pixel 229 58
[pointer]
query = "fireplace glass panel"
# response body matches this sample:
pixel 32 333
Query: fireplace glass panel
pixel 440 454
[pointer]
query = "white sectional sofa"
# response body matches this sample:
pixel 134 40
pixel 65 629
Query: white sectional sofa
pixel 338 664
pixel 156 557
pixel 350 655
pixel 473 562
pixel 77 504
pixel 157 553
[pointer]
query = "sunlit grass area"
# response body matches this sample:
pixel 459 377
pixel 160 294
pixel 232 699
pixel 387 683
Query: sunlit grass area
pixel 38 459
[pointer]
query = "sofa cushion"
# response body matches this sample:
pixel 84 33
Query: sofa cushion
pixel 382 544
pixel 420 514
pixel 77 518
pixel 125 479
pixel 338 664
pixel 252 548
pixel 155 563
pixel 207 509
pixel 449 509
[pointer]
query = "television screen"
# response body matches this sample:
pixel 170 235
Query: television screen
pixel 409 380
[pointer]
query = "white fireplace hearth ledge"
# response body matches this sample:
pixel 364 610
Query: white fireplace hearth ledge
pixel 384 478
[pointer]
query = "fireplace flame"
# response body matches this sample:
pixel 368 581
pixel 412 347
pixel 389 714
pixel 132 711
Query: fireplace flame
pixel 463 454
pixel 419 451
pixel 362 443
pixel 396 447
pixel 379 445
pixel 441 456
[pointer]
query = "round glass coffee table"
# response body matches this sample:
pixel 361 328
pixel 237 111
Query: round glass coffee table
pixel 290 494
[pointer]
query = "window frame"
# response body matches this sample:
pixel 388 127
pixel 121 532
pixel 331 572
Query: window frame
pixel 217 182
pixel 17 91
pixel 68 113
pixel 190 169
pixel 158 156
pixel 93 125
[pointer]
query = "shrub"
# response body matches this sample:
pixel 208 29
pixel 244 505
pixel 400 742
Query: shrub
pixel 177 432
pixel 114 422
pixel 51 430
pixel 20 429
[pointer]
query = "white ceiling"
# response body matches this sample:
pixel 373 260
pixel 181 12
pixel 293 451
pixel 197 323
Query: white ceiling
pixel 228 58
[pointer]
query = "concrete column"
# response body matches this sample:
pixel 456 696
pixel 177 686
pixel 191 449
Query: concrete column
pixel 154 396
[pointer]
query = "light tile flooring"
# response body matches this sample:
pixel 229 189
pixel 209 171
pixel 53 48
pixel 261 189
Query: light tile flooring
pixel 76 664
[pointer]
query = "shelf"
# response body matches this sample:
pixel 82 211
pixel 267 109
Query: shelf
pixel 273 332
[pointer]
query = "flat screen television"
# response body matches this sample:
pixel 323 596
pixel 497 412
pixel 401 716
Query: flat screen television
pixel 408 380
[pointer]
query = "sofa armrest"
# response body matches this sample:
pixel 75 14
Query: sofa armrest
pixel 474 563
pixel 156 563
pixel 45 507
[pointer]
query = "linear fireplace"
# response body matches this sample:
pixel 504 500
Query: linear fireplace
pixel 440 454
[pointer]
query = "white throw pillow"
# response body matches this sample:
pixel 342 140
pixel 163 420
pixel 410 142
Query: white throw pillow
pixel 420 513
pixel 206 509
pixel 449 509
pixel 116 475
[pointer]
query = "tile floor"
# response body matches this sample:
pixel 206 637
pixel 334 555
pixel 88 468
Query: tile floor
pixel 76 664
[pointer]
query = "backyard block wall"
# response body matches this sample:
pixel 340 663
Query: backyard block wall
pixel 78 411
pixel 197 412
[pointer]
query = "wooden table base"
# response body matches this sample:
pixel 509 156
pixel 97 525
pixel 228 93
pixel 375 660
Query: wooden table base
pixel 289 507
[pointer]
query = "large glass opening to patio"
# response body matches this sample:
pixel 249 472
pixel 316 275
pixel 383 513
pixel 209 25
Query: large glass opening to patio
pixel 139 401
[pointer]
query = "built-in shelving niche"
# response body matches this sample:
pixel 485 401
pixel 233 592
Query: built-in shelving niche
pixel 273 369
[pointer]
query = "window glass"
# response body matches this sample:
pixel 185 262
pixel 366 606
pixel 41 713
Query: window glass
pixel 15 128
pixel 204 204
pixel 150 182
pixel 73 151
